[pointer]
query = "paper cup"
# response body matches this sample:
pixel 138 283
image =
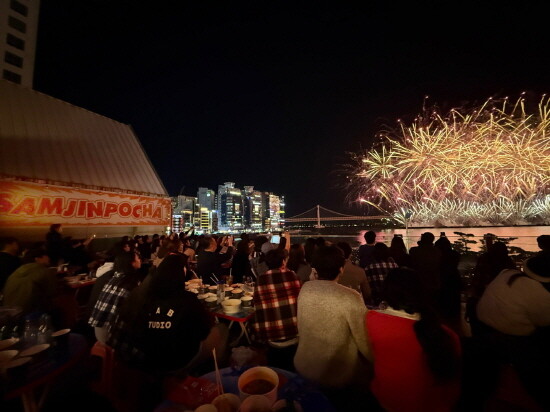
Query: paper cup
pixel 266 383
pixel 211 302
pixel 246 301
pixel 236 293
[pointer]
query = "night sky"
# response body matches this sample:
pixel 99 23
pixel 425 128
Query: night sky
pixel 275 95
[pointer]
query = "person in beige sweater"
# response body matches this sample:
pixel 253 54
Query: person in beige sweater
pixel 332 350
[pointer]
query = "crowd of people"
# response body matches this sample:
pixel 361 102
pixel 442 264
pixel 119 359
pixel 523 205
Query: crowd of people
pixel 384 325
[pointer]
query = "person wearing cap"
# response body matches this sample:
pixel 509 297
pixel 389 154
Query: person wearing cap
pixel 515 307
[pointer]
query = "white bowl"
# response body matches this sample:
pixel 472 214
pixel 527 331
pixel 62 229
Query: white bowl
pixel 231 305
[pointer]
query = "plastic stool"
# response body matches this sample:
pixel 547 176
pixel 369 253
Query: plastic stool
pixel 107 355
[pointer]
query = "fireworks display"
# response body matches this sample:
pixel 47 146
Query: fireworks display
pixel 487 166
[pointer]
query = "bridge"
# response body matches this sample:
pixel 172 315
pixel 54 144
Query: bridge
pixel 314 215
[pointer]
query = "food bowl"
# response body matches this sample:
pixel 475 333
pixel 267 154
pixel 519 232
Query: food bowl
pixel 236 293
pixel 247 301
pixel 256 403
pixel 211 301
pixel 231 305
pixel 228 402
pixel 259 380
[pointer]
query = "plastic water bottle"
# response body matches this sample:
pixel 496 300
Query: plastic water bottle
pixel 29 333
pixel 220 292
pixel 44 330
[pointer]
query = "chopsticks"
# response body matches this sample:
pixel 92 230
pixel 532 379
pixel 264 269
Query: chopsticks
pixel 219 385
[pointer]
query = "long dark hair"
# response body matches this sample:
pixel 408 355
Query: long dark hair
pixel 170 276
pixel 296 257
pixel 403 290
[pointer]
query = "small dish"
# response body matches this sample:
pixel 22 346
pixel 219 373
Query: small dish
pixel 33 350
pixel 7 355
pixel 60 332
pixel 6 343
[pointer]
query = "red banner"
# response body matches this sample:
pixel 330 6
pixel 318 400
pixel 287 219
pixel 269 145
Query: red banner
pixel 32 204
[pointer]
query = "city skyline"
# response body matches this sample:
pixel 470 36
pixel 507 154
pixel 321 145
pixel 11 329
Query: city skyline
pixel 229 209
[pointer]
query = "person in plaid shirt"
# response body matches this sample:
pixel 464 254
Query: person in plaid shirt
pixel 378 269
pixel 113 294
pixel 275 300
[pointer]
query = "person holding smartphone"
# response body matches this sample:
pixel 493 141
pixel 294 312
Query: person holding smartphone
pixel 211 257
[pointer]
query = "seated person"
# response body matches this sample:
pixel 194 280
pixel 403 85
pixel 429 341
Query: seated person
pixel 117 288
pixel 416 358
pixel 33 285
pixel 353 276
pixel 275 300
pixel 515 309
pixel 377 270
pixel 332 349
pixel 164 328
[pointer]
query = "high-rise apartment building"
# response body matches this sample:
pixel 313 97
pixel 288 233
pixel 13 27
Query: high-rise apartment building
pixel 18 30
pixel 253 211
pixel 230 207
pixel 186 211
pixel 207 198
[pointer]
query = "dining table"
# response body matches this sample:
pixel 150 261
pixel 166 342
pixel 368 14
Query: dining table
pixel 292 386
pixel 32 384
pixel 240 318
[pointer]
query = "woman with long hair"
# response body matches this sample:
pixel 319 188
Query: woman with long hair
pixel 297 262
pixel 125 278
pixel 415 356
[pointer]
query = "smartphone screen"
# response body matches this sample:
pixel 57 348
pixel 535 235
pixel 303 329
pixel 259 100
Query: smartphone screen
pixel 276 239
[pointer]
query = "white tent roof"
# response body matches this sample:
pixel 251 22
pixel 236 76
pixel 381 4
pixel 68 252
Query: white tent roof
pixel 44 138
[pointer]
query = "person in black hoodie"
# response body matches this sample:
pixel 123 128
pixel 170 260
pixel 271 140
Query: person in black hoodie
pixel 167 330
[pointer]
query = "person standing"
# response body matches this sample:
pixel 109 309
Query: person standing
pixel 426 260
pixel 9 261
pixel 54 243
pixel 366 251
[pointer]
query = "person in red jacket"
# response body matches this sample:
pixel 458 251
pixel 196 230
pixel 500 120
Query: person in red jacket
pixel 416 358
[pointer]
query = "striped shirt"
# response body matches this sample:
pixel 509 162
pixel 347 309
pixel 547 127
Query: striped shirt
pixel 276 302
pixel 376 273
pixel 111 297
